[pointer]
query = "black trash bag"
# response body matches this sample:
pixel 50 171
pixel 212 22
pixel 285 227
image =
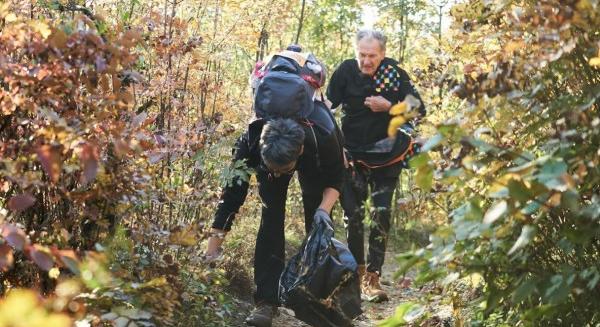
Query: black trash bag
pixel 320 283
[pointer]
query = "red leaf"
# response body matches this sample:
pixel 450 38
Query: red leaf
pixel 6 257
pixel 14 236
pixel 21 202
pixel 41 256
pixel 51 161
pixel 89 158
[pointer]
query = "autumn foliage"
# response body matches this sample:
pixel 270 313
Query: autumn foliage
pixel 117 117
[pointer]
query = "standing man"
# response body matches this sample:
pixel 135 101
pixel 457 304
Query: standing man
pixel 275 150
pixel 367 87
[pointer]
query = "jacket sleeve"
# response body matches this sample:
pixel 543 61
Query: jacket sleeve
pixel 234 193
pixel 332 161
pixel 335 89
pixel 407 87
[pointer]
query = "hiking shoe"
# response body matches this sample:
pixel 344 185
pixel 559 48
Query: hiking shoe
pixel 371 288
pixel 362 270
pixel 262 315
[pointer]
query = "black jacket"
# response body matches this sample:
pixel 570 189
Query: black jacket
pixel 322 161
pixel 349 87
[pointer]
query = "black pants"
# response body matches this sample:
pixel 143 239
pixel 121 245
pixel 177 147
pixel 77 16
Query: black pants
pixel 382 182
pixel 269 254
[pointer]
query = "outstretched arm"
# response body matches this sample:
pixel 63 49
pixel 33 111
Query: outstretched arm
pixel 330 195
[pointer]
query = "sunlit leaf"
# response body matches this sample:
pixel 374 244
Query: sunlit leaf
pixel 395 123
pixel 527 234
pixel 419 160
pixel 54 273
pixel 494 212
pixel 6 257
pixel 51 161
pixel 432 142
pixel 398 109
pixel 404 314
pixel 183 236
pixel 424 177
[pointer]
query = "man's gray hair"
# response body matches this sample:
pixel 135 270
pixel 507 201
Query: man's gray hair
pixel 372 34
pixel 281 142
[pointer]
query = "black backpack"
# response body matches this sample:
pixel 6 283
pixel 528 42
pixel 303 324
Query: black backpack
pixel 287 86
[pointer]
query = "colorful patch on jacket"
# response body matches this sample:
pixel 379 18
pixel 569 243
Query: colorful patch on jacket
pixel 387 79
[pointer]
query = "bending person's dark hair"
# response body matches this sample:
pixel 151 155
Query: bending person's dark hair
pixel 281 142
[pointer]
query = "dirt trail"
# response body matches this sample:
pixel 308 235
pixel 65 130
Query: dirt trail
pixel 373 312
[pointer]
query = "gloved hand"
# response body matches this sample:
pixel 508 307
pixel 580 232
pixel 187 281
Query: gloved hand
pixel 322 215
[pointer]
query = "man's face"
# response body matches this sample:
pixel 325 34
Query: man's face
pixel 369 55
pixel 282 170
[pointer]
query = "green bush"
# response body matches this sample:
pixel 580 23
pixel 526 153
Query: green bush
pixel 518 164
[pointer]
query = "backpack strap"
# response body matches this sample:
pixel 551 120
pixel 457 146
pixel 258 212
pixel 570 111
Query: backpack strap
pixel 410 151
pixel 310 125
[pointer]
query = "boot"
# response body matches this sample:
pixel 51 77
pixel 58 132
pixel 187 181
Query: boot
pixel 371 288
pixel 262 315
pixel 362 270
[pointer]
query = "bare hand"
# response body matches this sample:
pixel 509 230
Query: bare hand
pixel 214 249
pixel 378 103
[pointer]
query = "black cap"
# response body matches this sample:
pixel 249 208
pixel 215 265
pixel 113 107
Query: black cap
pixel 294 47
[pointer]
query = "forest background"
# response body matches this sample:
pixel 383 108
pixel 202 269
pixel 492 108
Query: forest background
pixel 117 120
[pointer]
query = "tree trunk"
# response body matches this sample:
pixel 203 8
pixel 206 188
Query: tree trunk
pixel 300 22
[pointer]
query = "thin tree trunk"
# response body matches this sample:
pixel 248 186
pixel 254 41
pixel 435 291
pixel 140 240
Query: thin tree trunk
pixel 300 21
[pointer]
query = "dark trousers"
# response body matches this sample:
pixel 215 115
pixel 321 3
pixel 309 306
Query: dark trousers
pixel 269 254
pixel 382 182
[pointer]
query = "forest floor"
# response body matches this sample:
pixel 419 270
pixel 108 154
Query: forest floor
pixel 399 292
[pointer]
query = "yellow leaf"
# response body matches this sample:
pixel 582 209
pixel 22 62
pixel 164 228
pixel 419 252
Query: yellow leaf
pixel 41 27
pixel 394 124
pixel 584 5
pixel 513 45
pixel 398 109
pixel 595 62
pixel 554 200
pixel 11 17
pixel 18 303
pixel 54 273
pixel 475 279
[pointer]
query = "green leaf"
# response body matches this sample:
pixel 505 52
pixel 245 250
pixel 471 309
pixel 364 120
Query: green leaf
pixel 551 175
pixel 538 312
pixel 527 234
pixel 405 310
pixel 494 212
pixel 524 291
pixel 432 142
pixel 558 291
pixel 448 129
pixel 518 191
pixel 570 199
pixel 419 160
pixel 481 145
pixel 424 178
